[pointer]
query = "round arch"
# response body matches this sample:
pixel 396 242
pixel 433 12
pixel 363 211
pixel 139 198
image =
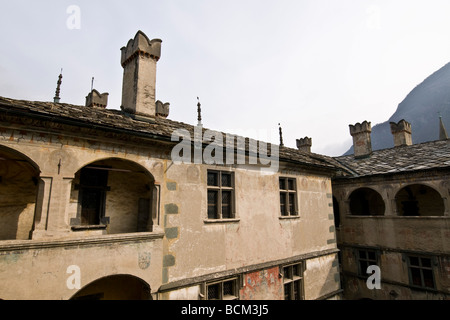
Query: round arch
pixel 19 177
pixel 115 287
pixel 366 202
pixel 127 164
pixel 114 192
pixel 419 200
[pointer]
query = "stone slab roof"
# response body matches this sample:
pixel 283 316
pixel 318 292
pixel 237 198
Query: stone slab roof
pixel 423 156
pixel 159 128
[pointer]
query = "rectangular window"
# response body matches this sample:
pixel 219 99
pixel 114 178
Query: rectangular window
pixel 288 197
pixel 366 258
pixel 220 195
pixel 224 290
pixel 293 282
pixel 421 272
pixel 93 188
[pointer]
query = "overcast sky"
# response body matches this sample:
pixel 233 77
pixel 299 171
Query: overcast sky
pixel 315 66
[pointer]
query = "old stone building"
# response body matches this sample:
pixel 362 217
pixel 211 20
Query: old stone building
pixel 93 205
pixel 392 211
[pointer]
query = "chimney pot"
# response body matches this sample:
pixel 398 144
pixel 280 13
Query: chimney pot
pixel 162 109
pixel 304 144
pixel 96 99
pixel 362 143
pixel 401 132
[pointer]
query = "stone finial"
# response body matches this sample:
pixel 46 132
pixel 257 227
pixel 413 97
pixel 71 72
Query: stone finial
pixel 304 144
pixel 162 109
pixel 96 99
pixel 401 132
pixel 362 143
pixel 56 99
pixel 281 135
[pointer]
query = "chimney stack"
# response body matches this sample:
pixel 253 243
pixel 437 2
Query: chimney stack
pixel 304 144
pixel 139 60
pixel 162 109
pixel 362 143
pixel 402 133
pixel 96 99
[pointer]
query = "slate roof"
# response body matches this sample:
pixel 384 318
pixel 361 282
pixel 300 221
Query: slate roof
pixel 159 128
pixel 423 156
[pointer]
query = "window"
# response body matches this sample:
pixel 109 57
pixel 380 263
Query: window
pixel 288 197
pixel 225 290
pixel 220 195
pixel 293 282
pixel 93 188
pixel 366 258
pixel 421 272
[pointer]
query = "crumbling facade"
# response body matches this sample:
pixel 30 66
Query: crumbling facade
pixel 93 206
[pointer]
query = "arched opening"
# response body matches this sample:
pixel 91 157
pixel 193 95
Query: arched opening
pixel 419 200
pixel 116 195
pixel 116 287
pixel 19 178
pixel 337 214
pixel 366 202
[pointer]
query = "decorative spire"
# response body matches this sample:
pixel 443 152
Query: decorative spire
pixel 199 112
pixel 281 136
pixel 442 132
pixel 56 99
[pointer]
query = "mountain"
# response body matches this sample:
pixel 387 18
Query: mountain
pixel 421 108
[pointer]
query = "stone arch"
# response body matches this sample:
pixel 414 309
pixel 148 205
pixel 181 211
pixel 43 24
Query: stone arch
pixel 115 287
pixel 19 177
pixel 115 194
pixel 366 202
pixel 419 200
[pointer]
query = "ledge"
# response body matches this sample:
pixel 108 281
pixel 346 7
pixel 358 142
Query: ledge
pixel 398 217
pixel 90 227
pixel 289 217
pixel 13 245
pixel 211 221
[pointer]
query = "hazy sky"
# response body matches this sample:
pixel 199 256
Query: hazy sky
pixel 315 66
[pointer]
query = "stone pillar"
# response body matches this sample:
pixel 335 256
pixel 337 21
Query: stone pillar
pixel 42 206
pixel 52 207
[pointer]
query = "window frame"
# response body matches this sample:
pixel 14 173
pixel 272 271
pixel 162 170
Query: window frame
pixel 286 193
pixel 367 260
pixel 220 283
pixel 295 280
pixel 86 189
pixel 219 189
pixel 421 268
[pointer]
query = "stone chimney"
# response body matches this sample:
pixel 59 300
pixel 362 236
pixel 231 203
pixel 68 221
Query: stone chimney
pixel 362 143
pixel 402 133
pixel 96 99
pixel 304 144
pixel 162 109
pixel 139 60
